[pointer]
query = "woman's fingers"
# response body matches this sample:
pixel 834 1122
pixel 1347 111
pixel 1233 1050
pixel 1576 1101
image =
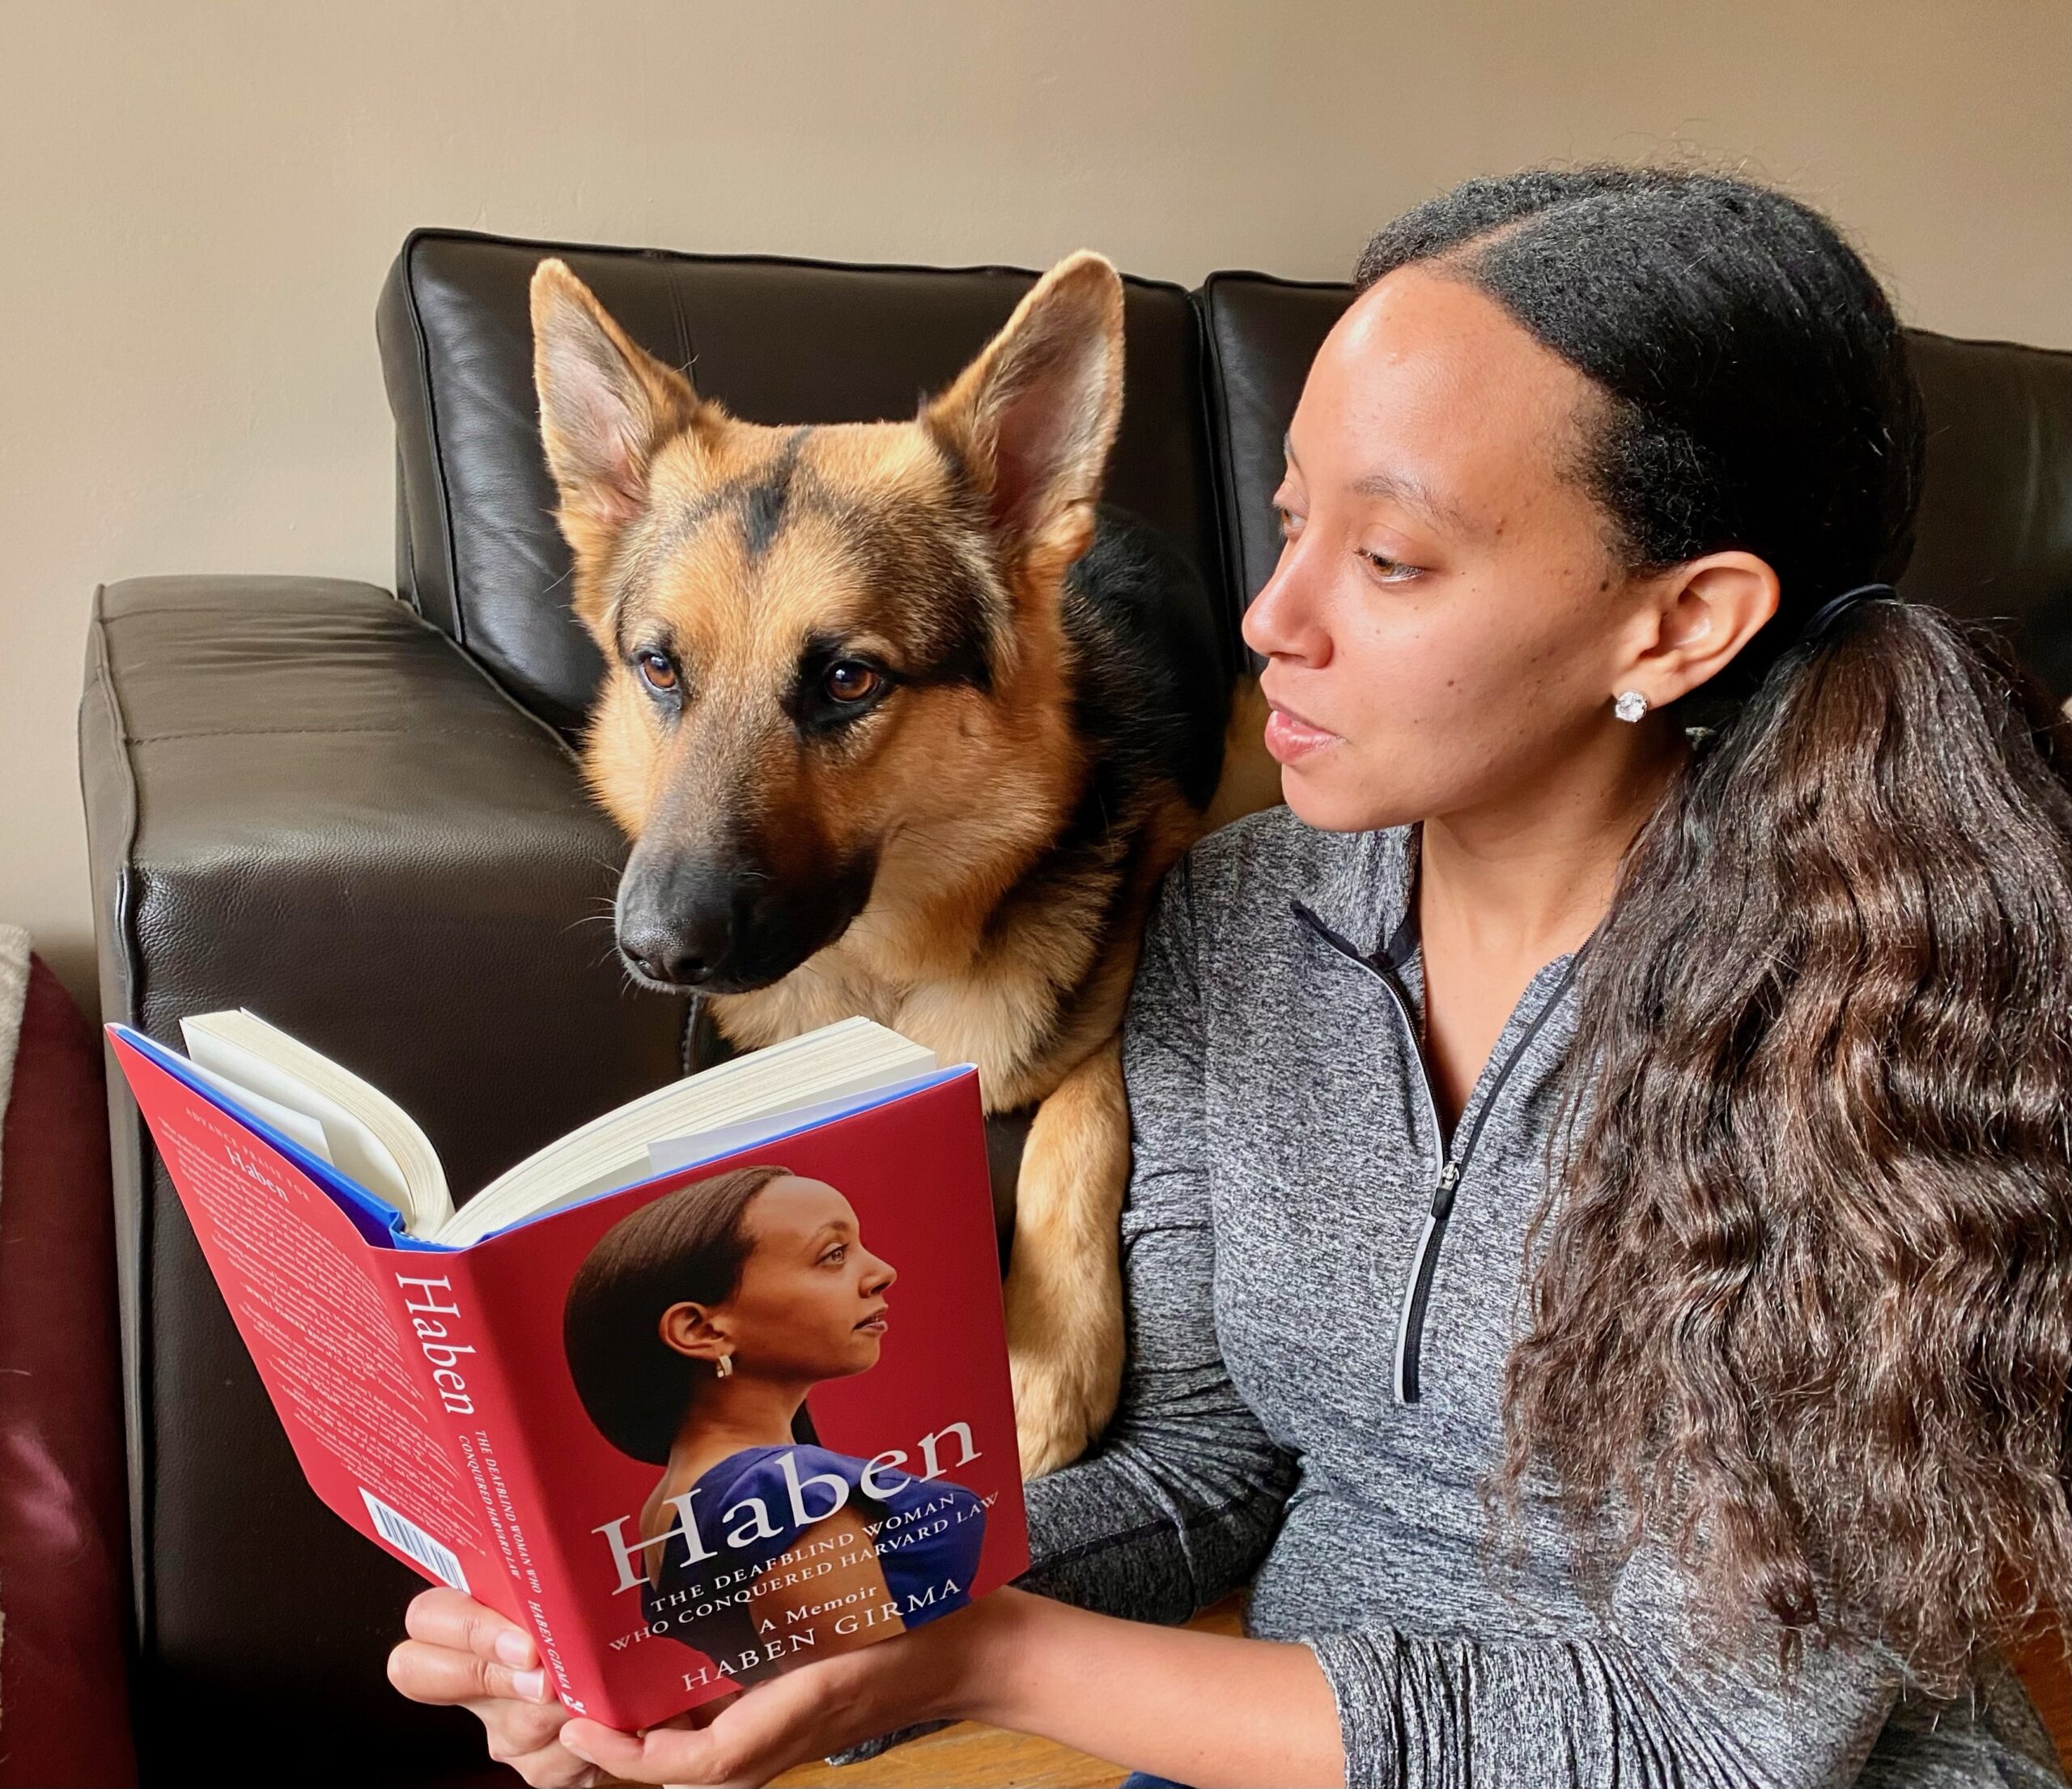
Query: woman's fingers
pixel 524 1729
pixel 522 1721
pixel 426 1672
pixel 545 1765
pixel 460 1651
pixel 662 1754
pixel 552 1767
pixel 447 1618
pixel 463 1655
pixel 759 1733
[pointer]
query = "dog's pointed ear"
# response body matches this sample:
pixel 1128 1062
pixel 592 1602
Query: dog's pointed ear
pixel 606 403
pixel 1032 419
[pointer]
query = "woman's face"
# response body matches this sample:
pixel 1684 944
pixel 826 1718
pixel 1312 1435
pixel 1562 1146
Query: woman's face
pixel 1447 619
pixel 811 1302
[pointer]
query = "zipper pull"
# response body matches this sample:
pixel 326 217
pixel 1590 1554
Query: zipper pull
pixel 1442 1195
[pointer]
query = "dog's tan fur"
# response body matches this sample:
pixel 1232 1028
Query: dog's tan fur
pixel 977 939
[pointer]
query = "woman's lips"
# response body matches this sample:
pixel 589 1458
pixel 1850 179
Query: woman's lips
pixel 873 1326
pixel 1289 736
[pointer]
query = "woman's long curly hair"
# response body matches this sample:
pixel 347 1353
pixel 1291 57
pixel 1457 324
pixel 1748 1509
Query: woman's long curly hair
pixel 1800 1301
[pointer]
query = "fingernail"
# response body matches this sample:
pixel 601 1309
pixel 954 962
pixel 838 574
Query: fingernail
pixel 531 1684
pixel 570 1746
pixel 513 1648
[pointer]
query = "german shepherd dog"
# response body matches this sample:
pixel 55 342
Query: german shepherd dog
pixel 900 722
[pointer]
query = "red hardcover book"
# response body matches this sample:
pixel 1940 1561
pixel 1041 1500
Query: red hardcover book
pixel 689 1432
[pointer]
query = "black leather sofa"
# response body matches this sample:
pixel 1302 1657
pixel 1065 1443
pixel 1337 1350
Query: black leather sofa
pixel 358 812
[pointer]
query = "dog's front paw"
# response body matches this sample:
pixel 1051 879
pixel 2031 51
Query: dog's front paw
pixel 1054 1419
pixel 1064 1293
pixel 1066 1380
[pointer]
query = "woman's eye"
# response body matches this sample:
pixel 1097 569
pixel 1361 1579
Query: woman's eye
pixel 1390 570
pixel 836 1255
pixel 657 670
pixel 851 680
pixel 1289 522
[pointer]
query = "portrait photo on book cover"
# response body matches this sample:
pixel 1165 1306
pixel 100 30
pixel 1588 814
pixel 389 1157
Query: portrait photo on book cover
pixel 695 1330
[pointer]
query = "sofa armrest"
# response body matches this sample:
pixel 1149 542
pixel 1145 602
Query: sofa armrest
pixel 302 798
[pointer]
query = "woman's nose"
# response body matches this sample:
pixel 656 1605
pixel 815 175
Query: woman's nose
pixel 879 1275
pixel 1279 622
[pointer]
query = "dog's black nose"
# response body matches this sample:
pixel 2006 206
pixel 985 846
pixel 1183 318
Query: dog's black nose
pixel 681 970
pixel 680 919
pixel 682 952
pixel 727 922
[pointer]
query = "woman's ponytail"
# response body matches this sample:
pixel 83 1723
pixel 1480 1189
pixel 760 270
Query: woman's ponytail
pixel 1812 1259
pixel 1801 1298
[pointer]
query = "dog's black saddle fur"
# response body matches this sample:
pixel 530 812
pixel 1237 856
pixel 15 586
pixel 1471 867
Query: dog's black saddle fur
pixel 1154 675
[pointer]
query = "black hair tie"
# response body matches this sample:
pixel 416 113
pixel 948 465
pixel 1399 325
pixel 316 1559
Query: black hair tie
pixel 1825 615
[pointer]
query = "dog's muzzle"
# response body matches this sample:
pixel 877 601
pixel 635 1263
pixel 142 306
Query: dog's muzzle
pixel 727 927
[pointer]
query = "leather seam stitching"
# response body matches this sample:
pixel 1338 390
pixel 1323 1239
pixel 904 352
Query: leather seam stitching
pixel 143 1597
pixel 1223 483
pixel 401 729
pixel 216 608
pixel 1225 464
pixel 686 355
pixel 613 248
pixel 449 544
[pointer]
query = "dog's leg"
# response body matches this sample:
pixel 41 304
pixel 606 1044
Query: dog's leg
pixel 1064 1289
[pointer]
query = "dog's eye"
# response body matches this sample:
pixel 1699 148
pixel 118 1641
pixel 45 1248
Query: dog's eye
pixel 852 680
pixel 657 670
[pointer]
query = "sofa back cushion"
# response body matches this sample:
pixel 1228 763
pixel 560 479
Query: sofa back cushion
pixel 776 340
pixel 1995 536
pixel 1260 334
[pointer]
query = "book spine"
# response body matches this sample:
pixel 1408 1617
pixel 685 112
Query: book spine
pixel 317 1305
pixel 451 1313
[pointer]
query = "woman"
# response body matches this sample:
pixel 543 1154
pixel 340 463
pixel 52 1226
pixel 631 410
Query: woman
pixel 1600 1237
pixel 694 1330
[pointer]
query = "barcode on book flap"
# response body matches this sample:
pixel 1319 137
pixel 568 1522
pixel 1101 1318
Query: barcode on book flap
pixel 399 1531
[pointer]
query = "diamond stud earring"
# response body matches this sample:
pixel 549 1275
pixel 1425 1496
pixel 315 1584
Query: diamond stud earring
pixel 1630 706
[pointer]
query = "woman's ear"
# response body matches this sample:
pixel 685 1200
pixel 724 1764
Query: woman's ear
pixel 1703 612
pixel 690 1330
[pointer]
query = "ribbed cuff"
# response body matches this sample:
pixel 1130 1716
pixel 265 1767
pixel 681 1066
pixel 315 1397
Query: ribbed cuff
pixel 1364 1682
pixel 885 1742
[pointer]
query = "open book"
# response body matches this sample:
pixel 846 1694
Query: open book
pixel 355 1127
pixel 552 1398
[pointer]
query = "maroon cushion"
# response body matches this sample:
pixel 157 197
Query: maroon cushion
pixel 64 1552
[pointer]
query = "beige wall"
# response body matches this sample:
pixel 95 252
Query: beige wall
pixel 198 202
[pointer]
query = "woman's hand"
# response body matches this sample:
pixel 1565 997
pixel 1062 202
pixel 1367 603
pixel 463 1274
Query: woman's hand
pixel 811 1711
pixel 461 1654
pixel 1192 1707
